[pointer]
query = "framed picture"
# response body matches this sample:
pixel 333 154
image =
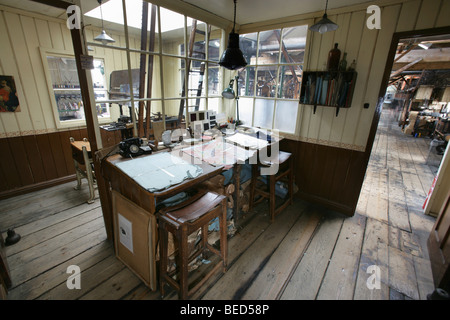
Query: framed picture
pixel 8 95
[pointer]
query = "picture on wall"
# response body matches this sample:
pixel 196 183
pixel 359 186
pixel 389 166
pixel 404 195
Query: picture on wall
pixel 8 95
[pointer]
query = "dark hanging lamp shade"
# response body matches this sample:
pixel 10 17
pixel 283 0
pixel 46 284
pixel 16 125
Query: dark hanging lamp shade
pixel 232 58
pixel 324 25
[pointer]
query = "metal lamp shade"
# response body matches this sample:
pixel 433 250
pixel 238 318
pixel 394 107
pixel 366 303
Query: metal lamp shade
pixel 232 58
pixel 324 25
pixel 228 93
pixel 104 38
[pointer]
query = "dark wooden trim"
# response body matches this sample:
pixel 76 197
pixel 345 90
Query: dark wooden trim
pixel 55 3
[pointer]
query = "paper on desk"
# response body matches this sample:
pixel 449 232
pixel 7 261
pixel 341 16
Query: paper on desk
pixel 159 171
pixel 247 141
pixel 218 152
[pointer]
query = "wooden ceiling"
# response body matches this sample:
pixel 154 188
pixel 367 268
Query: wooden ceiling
pixel 412 55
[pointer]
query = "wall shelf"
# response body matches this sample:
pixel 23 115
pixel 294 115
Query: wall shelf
pixel 328 89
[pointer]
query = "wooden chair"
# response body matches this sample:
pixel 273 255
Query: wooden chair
pixel 267 190
pixel 82 159
pixel 182 220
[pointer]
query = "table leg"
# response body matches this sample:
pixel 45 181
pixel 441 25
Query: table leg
pixel 237 189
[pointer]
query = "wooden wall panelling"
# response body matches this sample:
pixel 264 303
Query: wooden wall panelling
pixel 428 13
pixel 363 60
pixel 8 67
pixel 3 183
pixel 389 17
pixel 67 151
pixel 58 154
pixel 41 120
pixel 332 124
pixel 326 114
pixel 8 166
pixel 444 13
pixel 340 175
pixel 408 15
pixel 25 84
pixel 19 154
pixel 34 158
pixel 47 156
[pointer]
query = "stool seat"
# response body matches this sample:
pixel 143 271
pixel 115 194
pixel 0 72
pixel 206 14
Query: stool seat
pixel 282 158
pixel 285 171
pixel 196 209
pixel 182 220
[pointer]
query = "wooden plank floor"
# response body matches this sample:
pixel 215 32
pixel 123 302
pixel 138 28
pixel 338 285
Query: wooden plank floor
pixel 307 253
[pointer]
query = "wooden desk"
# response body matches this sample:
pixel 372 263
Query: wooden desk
pixel 136 208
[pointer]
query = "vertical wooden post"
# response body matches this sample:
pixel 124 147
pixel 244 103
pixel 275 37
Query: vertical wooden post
pixel 143 64
pixel 151 47
pixel 93 130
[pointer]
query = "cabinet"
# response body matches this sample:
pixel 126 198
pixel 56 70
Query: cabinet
pixel 328 89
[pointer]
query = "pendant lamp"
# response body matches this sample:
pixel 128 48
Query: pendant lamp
pixel 232 58
pixel 103 37
pixel 325 24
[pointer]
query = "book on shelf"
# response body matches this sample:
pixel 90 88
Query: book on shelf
pixel 328 89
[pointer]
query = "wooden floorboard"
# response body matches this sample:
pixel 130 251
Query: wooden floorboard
pixel 308 252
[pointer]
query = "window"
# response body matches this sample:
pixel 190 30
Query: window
pixel 63 75
pixel 269 87
pixel 172 89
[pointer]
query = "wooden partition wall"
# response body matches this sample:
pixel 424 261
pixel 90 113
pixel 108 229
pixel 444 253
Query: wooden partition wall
pixel 38 161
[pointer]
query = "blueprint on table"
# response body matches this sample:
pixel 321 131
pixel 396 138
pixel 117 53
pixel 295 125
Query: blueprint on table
pixel 159 171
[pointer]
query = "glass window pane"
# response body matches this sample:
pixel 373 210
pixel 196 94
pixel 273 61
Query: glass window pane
pixel 173 78
pixel 213 79
pixel 289 81
pixel 247 81
pixel 246 111
pixel 197 104
pixel 172 31
pixel 66 87
pixel 266 78
pixel 195 81
pixel 155 108
pixel 172 107
pixel 286 116
pixel 214 44
pixel 247 44
pixel 134 19
pixel 214 104
pixel 294 43
pixel 199 48
pixel 269 46
pixel 263 113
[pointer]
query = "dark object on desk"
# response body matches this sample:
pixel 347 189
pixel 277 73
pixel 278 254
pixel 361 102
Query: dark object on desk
pixel 132 148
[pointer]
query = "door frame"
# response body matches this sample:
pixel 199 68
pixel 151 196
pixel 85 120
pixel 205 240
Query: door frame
pixel 386 75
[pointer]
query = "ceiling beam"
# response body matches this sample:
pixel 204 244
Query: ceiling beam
pixel 393 74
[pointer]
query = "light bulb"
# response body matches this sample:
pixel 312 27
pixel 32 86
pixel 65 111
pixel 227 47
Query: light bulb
pixel 323 28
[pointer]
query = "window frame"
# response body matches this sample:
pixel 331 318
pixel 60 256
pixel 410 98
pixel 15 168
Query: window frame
pixel 161 54
pixel 278 66
pixel 45 53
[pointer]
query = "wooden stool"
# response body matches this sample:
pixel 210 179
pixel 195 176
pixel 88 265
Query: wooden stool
pixel 81 155
pixel 182 220
pixel 285 172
